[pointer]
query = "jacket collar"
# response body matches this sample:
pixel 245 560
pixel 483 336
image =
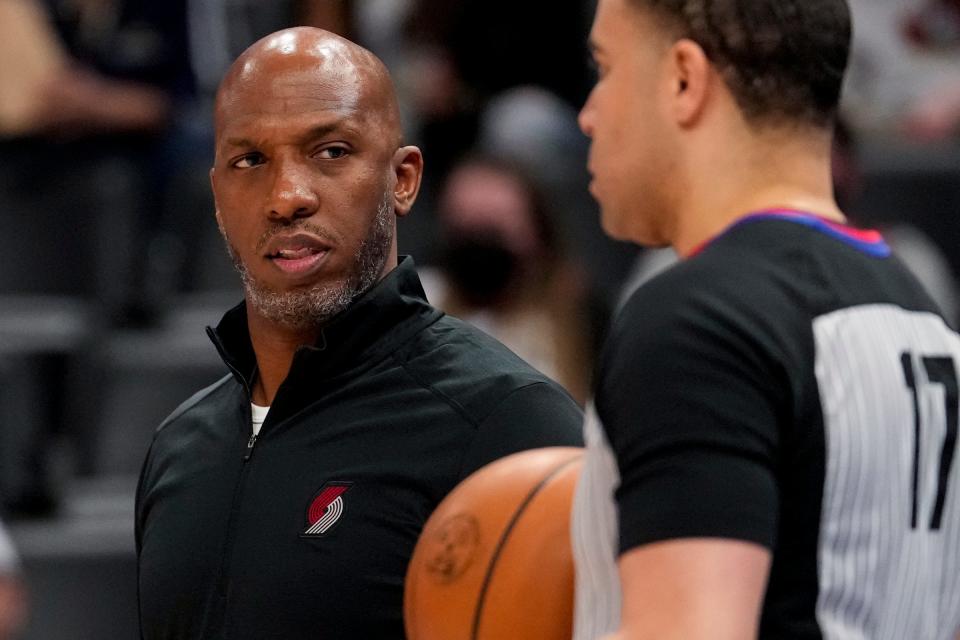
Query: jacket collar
pixel 373 326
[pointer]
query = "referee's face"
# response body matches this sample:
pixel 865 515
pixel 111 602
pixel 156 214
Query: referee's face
pixel 626 120
pixel 304 178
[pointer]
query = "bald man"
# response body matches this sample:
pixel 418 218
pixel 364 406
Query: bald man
pixel 285 500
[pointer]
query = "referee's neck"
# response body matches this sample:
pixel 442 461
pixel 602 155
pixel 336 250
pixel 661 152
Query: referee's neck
pixel 752 172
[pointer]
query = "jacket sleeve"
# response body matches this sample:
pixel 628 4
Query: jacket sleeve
pixel 541 414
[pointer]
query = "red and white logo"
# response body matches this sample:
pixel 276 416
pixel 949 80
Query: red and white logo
pixel 326 508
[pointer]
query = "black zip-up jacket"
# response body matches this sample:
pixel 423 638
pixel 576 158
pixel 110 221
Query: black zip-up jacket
pixel 305 531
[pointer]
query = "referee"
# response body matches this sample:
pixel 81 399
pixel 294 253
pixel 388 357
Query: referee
pixel 773 446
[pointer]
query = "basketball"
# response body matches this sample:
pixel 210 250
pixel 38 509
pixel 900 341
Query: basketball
pixel 494 559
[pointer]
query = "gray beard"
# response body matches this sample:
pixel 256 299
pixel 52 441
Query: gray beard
pixel 310 308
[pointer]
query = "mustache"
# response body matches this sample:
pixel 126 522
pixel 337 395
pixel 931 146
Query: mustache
pixel 276 228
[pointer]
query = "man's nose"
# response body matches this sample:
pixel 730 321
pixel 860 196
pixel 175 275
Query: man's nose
pixel 292 195
pixel 585 117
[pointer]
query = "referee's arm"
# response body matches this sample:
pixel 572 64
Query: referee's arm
pixel 691 407
pixel 693 588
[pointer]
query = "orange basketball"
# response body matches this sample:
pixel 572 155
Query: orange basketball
pixel 494 559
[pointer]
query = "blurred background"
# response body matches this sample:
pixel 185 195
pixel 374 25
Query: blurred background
pixel 111 264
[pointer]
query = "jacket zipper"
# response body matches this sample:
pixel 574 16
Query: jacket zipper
pixel 250 443
pixel 221 611
pixel 253 436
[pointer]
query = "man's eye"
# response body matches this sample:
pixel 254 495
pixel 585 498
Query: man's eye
pixel 332 153
pixel 248 161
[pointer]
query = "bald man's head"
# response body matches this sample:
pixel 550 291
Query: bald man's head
pixel 345 77
pixel 309 174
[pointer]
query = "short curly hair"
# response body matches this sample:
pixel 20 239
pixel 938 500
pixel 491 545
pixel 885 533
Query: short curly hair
pixel 783 60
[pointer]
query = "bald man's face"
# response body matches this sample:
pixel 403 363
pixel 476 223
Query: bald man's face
pixel 307 178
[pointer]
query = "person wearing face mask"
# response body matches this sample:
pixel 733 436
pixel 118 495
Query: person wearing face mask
pixel 503 270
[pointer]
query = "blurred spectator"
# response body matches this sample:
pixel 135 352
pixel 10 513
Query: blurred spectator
pixel 82 184
pixel 13 601
pixel 935 27
pixel 935 24
pixel 503 270
pixel 467 52
pixel 538 131
pixel 82 187
pixel 904 74
pixel 493 76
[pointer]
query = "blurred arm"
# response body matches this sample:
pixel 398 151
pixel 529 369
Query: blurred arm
pixel 82 101
pixel 691 589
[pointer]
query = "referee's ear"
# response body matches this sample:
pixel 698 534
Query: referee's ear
pixel 690 76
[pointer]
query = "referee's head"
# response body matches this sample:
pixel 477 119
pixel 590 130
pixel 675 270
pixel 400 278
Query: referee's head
pixel 781 59
pixel 676 75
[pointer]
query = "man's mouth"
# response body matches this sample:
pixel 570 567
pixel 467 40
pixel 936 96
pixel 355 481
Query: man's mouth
pixel 297 260
pixel 297 254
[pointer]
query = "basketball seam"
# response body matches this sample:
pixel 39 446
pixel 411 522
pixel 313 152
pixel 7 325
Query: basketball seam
pixel 501 543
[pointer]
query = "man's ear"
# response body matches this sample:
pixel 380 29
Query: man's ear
pixel 690 74
pixel 213 190
pixel 216 205
pixel 408 167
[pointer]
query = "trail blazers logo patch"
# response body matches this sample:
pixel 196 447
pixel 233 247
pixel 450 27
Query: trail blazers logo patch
pixel 326 508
